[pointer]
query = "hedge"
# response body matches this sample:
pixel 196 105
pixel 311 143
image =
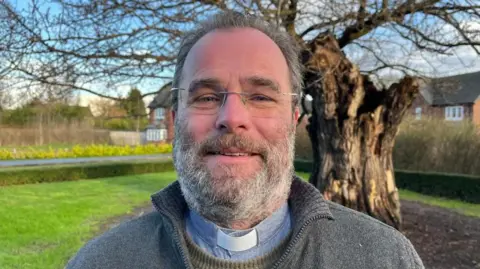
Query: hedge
pixel 43 174
pixel 303 165
pixel 454 186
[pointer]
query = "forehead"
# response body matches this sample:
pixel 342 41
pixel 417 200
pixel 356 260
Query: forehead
pixel 235 53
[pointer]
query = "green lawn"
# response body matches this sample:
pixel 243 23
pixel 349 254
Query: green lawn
pixel 43 225
pixel 467 209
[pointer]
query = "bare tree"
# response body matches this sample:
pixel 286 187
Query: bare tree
pixel 94 45
pixel 101 107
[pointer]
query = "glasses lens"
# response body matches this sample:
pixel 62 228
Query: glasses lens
pixel 261 105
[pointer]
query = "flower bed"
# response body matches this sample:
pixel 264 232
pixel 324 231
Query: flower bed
pixel 84 151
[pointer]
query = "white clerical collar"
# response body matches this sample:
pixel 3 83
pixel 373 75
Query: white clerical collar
pixel 237 243
pixel 203 231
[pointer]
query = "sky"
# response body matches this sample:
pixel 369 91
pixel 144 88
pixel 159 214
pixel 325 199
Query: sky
pixel 462 60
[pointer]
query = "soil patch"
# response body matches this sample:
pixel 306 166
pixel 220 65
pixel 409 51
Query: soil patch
pixel 444 239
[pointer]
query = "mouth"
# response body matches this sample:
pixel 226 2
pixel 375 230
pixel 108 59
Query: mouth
pixel 232 152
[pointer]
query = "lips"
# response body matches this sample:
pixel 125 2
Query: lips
pixel 236 154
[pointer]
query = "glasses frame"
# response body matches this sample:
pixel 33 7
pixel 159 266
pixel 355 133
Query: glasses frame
pixel 242 95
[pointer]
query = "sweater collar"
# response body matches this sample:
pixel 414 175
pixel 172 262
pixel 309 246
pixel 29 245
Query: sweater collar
pixel 305 202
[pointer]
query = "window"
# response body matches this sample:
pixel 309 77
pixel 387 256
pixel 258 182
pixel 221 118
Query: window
pixel 163 134
pixel 155 135
pixel 418 113
pixel 159 114
pixel 454 113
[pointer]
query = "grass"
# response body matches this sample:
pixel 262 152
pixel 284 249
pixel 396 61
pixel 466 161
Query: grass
pixel 468 209
pixel 43 225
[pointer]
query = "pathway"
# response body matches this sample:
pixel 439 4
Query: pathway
pixel 14 163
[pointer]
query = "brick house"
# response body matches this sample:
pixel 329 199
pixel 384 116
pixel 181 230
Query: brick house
pixel 160 118
pixel 454 98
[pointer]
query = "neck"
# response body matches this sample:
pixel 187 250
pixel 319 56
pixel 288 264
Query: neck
pixel 244 224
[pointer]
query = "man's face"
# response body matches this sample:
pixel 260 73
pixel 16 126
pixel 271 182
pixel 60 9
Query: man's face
pixel 236 163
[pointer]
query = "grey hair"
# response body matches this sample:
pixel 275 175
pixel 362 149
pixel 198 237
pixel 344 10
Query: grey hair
pixel 229 20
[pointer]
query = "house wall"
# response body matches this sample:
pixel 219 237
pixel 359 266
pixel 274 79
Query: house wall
pixel 439 111
pixel 476 112
pixel 168 121
pixel 170 125
pixel 151 116
pixel 427 110
pixel 467 111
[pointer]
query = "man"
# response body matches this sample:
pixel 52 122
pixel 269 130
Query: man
pixel 237 203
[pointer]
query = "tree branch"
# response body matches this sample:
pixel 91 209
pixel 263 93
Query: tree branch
pixel 289 21
pixel 357 30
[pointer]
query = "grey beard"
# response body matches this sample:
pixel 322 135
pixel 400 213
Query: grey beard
pixel 229 199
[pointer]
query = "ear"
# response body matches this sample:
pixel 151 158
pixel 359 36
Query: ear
pixel 296 114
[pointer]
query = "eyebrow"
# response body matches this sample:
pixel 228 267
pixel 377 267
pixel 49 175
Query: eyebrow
pixel 251 80
pixel 262 82
pixel 196 83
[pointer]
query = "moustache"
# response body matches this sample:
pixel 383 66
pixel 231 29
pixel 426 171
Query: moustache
pixel 220 142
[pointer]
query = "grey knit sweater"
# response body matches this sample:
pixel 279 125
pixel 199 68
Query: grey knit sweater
pixel 324 235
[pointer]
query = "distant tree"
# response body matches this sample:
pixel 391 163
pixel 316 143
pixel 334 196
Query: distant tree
pixel 101 107
pixel 134 104
pixel 19 117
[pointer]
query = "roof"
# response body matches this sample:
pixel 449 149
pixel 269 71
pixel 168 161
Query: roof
pixel 459 89
pixel 163 98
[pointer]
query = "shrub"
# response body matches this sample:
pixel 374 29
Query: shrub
pixel 36 112
pixel 121 124
pixel 424 145
pixel 76 172
pixel 85 151
pixel 118 124
pixel 303 165
pixel 438 145
pixel 462 187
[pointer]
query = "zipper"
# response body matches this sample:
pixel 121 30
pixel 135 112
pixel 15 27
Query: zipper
pixel 297 237
pixel 177 235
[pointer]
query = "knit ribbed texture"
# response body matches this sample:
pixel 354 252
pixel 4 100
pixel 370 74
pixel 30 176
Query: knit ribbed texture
pixel 202 260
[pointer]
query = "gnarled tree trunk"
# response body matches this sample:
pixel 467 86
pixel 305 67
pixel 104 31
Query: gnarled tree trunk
pixel 352 129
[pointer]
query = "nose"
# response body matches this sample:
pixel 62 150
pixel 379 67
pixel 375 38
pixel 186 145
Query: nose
pixel 233 116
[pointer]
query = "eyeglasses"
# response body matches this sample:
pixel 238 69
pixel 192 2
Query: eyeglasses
pixel 263 104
